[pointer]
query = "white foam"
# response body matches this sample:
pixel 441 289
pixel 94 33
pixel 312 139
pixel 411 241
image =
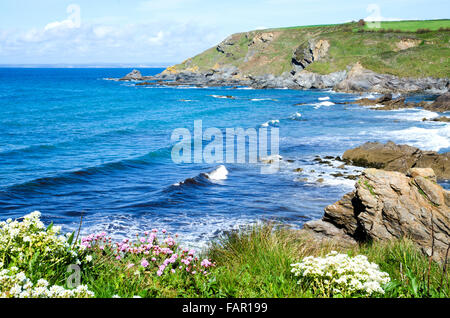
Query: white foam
pixel 410 114
pixel 296 116
pixel 273 123
pixel 423 138
pixel 219 173
pixel 367 95
pixel 222 96
pixel 324 98
pixel 325 103
pixel 261 99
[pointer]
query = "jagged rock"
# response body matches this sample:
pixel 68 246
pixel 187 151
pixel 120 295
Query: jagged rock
pixel 360 79
pixel 307 80
pixel 134 75
pixel 441 104
pixel 393 157
pixel 309 52
pixel 387 205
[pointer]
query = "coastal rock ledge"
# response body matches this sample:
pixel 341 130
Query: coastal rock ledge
pixel 386 205
pixel 393 157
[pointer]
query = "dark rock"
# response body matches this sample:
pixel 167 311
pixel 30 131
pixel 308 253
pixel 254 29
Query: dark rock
pixel 444 119
pixel 441 104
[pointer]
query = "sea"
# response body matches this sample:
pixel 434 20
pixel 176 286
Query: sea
pixel 88 151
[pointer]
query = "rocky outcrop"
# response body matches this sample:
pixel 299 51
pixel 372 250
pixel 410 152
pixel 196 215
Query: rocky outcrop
pixel 309 52
pixel 386 102
pixel 441 104
pixel 387 205
pixel 134 75
pixel 393 157
pixel 360 79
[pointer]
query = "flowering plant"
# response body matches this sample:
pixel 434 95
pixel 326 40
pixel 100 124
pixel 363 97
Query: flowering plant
pixel 27 243
pixel 15 284
pixel 148 254
pixel 341 275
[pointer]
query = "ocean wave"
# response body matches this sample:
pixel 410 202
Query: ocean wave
pixel 217 174
pixel 272 123
pixel 220 173
pixel 50 147
pixel 324 98
pixel 296 116
pixel 82 175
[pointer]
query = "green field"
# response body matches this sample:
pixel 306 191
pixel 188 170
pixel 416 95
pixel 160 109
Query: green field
pixel 381 51
pixel 414 25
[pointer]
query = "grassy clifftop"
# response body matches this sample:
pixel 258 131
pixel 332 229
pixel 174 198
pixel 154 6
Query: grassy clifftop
pixel 402 48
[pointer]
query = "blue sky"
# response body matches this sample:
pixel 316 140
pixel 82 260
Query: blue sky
pixel 166 31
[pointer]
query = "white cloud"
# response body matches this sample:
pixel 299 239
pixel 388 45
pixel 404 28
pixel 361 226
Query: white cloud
pixel 157 39
pixel 92 43
pixel 73 21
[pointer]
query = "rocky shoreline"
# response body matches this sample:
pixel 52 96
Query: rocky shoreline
pixel 355 79
pixel 398 196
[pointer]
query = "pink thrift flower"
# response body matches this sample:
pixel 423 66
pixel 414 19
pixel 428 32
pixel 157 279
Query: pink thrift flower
pixel 144 263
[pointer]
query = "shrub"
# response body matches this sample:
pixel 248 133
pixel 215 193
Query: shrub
pixel 341 275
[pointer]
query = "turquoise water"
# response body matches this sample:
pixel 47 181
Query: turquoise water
pixel 73 143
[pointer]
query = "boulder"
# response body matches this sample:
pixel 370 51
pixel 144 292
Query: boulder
pixel 393 157
pixel 387 205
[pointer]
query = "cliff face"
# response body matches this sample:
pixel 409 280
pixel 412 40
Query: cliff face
pixel 325 56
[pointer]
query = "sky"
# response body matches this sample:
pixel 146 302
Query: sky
pixel 164 32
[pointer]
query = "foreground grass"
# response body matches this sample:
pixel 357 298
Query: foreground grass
pixel 252 262
pixel 256 263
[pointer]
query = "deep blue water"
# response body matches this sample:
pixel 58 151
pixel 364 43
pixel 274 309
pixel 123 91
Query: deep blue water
pixel 73 143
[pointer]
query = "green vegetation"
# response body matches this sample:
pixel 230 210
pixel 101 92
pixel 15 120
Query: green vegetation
pixel 413 25
pixel 254 262
pixel 401 48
